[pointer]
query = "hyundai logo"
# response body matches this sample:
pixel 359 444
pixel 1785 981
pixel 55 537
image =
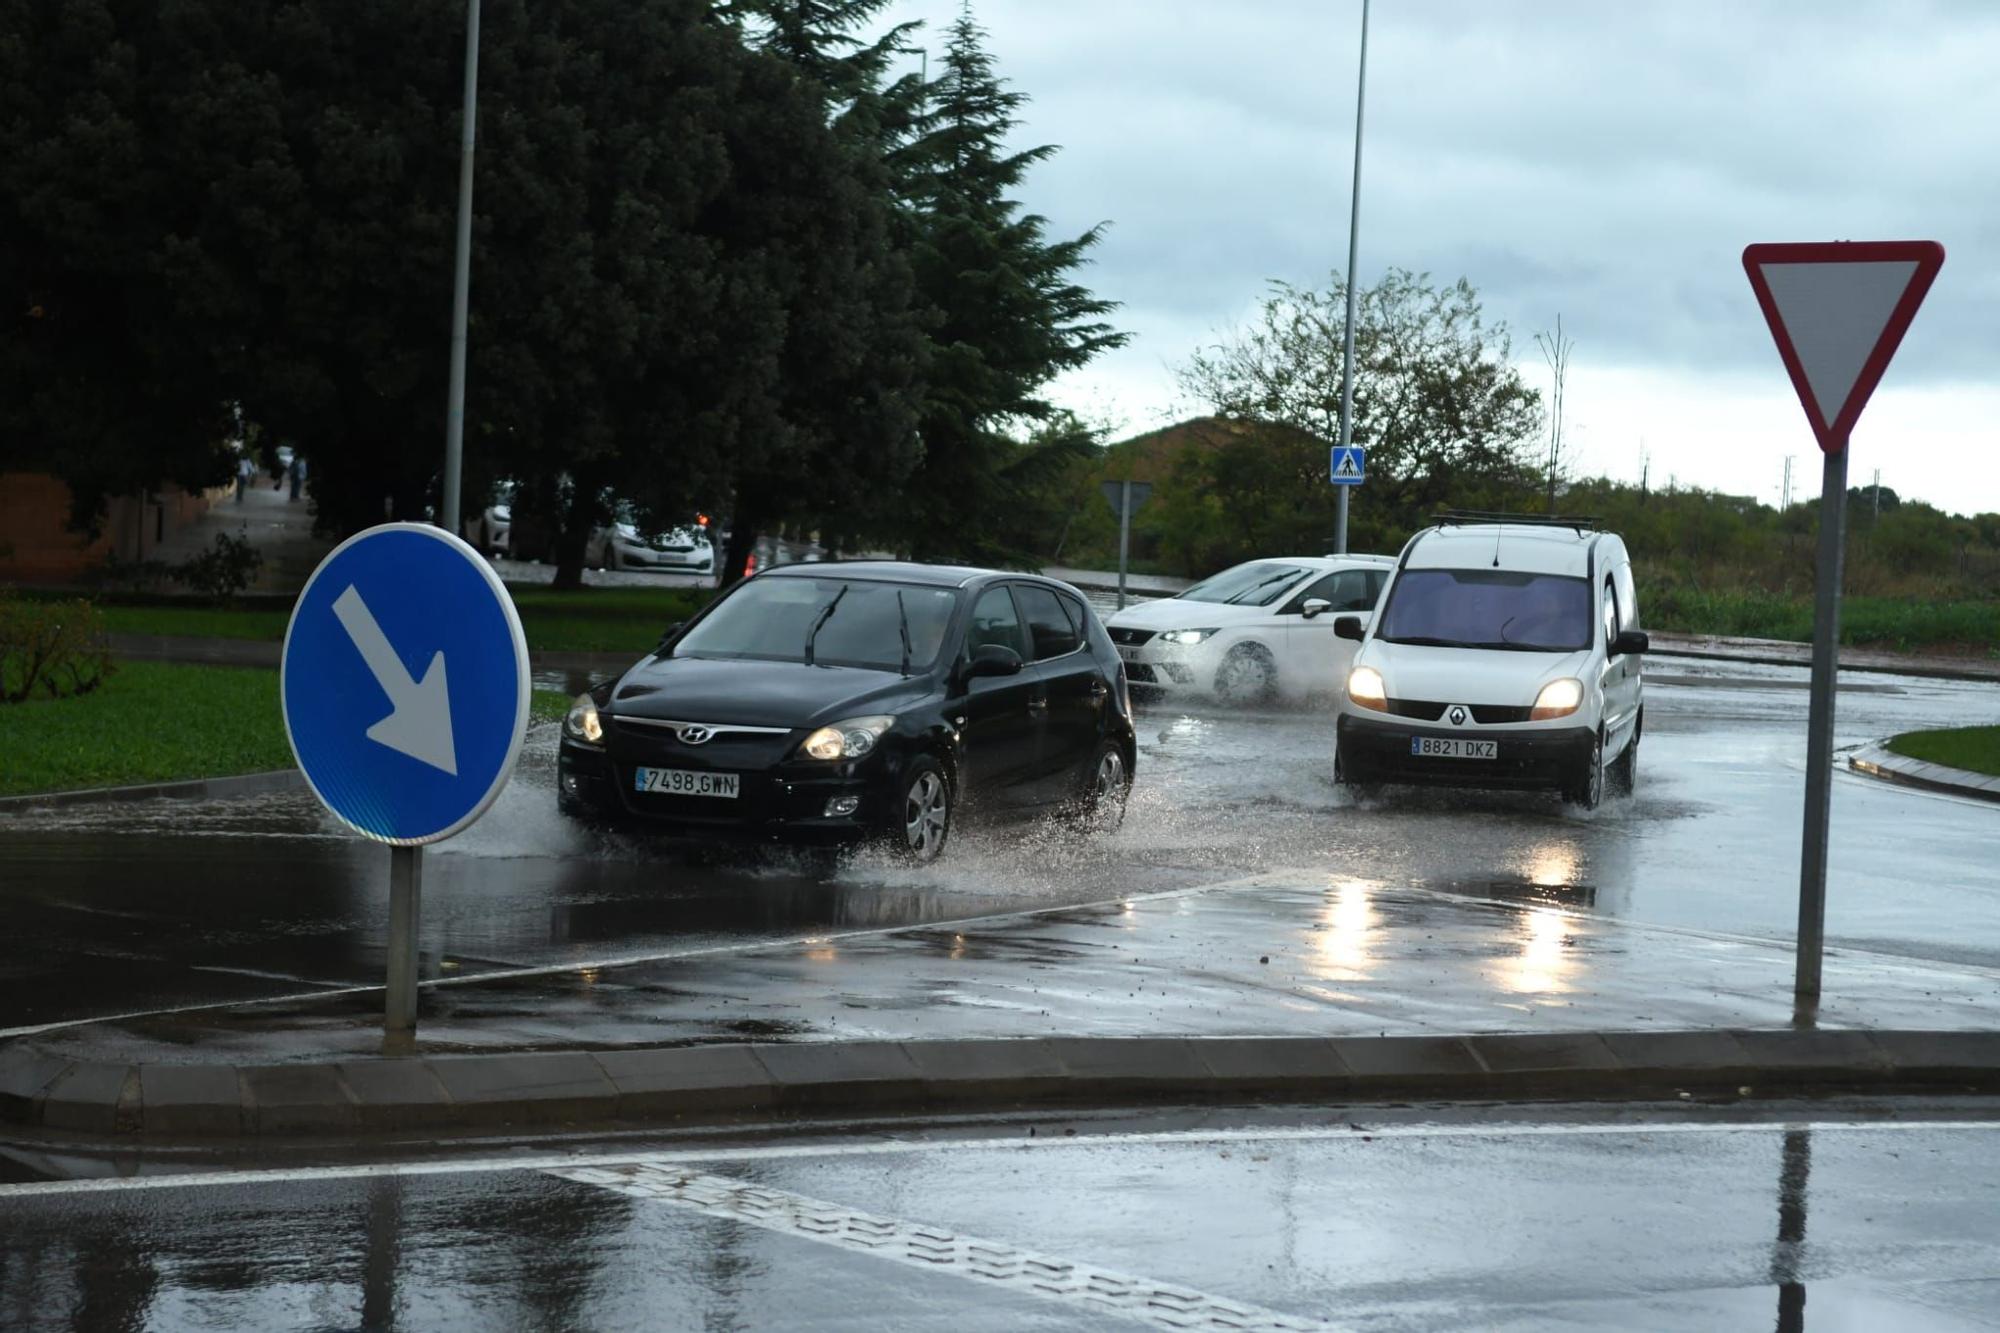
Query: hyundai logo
pixel 1457 717
pixel 695 735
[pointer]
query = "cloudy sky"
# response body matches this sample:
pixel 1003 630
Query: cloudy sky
pixel 1602 161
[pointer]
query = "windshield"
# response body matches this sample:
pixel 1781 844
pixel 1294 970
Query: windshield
pixel 1488 608
pixel 1259 583
pixel 768 620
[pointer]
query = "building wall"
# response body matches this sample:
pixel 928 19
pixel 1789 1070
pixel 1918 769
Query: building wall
pixel 37 546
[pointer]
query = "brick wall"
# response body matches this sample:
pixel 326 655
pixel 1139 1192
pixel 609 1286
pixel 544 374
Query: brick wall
pixel 36 545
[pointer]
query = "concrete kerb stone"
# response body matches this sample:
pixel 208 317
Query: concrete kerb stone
pixel 484 1092
pixel 191 789
pixel 1878 761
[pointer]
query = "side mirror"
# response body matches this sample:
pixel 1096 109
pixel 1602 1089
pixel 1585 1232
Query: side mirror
pixel 1349 627
pixel 1631 641
pixel 1313 606
pixel 672 630
pixel 993 659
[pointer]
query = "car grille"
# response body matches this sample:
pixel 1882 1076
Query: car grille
pixel 1140 674
pixel 1132 637
pixel 1424 710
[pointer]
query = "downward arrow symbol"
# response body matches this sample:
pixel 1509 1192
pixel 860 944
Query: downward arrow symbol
pixel 419 721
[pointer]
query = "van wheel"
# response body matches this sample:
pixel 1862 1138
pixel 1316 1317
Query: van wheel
pixel 1586 785
pixel 1247 676
pixel 1624 771
pixel 1343 776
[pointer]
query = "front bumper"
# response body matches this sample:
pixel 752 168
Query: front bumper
pixel 645 557
pixel 783 803
pixel 1380 751
pixel 1154 668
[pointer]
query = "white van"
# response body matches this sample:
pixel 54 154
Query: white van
pixel 1504 653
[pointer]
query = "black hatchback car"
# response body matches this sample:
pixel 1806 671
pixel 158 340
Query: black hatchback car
pixel 832 702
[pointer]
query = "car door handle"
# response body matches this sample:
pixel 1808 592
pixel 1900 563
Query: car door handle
pixel 1098 689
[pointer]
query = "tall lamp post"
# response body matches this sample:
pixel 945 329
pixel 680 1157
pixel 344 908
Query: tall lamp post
pixel 454 418
pixel 1353 244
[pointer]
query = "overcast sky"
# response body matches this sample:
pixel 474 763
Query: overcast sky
pixel 1603 161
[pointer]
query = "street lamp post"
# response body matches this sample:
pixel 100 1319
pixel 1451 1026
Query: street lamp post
pixel 454 419
pixel 1353 244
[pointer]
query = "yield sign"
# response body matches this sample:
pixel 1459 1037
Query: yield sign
pixel 1838 311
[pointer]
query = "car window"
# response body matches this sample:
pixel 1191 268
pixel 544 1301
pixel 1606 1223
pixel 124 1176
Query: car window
pixel 1628 597
pixel 1376 578
pixel 1048 624
pixel 852 623
pixel 1259 583
pixel 1610 614
pixel 994 620
pixel 1488 608
pixel 1079 616
pixel 1347 590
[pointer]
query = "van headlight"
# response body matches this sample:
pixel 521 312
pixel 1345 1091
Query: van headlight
pixel 1187 635
pixel 1559 698
pixel 847 740
pixel 1365 687
pixel 582 723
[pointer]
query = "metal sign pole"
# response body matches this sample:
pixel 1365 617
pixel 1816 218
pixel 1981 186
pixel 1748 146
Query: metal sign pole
pixel 1353 244
pixel 1124 535
pixel 406 882
pixel 1819 729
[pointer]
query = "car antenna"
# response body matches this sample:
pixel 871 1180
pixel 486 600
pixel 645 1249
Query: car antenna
pixel 821 619
pixel 903 623
pixel 1497 530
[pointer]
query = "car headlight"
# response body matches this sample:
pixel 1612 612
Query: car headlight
pixel 847 740
pixel 1365 687
pixel 1559 698
pixel 582 723
pixel 1187 635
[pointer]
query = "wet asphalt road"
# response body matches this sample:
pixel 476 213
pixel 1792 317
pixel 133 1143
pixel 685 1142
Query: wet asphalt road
pixel 130 909
pixel 1825 1216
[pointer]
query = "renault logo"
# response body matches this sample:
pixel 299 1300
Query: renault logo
pixel 695 735
pixel 1457 717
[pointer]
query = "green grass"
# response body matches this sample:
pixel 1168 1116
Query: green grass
pixel 159 722
pixel 1902 624
pixel 1975 749
pixel 587 620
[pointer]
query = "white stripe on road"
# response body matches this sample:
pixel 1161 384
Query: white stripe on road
pixel 991 1264
pixel 1021 1141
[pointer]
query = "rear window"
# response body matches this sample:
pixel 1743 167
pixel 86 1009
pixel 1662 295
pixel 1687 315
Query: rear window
pixel 1048 624
pixel 1488 608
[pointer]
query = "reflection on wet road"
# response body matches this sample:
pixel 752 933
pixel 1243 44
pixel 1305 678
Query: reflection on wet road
pixel 126 909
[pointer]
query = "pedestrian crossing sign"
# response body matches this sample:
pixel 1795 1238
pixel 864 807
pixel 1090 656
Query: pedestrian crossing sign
pixel 1350 465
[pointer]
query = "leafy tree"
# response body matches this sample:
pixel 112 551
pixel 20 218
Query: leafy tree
pixel 1443 413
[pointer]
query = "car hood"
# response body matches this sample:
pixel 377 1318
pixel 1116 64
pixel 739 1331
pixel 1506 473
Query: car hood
pixel 1467 675
pixel 1175 613
pixel 759 694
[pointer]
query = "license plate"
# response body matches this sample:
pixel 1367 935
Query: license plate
pixel 1128 654
pixel 681 782
pixel 1451 747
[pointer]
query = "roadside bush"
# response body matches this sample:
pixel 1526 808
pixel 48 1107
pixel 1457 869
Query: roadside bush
pixel 222 572
pixel 55 649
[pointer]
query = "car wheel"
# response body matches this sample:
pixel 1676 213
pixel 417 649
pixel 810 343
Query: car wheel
pixel 1247 676
pixel 925 811
pixel 1107 782
pixel 1586 787
pixel 1344 776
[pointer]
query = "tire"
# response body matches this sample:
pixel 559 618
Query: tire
pixel 923 815
pixel 1107 782
pixel 1360 788
pixel 1586 785
pixel 1624 771
pixel 1247 676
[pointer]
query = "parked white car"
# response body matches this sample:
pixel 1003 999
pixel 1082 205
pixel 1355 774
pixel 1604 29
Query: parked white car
pixel 1504 654
pixel 1253 633
pixel 679 550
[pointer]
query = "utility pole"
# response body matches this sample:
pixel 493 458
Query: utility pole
pixel 461 284
pixel 1876 495
pixel 1785 491
pixel 1353 244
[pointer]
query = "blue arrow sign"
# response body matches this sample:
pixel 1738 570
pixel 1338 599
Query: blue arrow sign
pixel 1349 466
pixel 405 683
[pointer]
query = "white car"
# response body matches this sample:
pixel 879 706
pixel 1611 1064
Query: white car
pixel 1505 653
pixel 1253 633
pixel 678 550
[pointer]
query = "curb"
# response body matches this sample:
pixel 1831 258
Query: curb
pixel 1878 761
pixel 1778 652
pixel 194 789
pixel 492 1092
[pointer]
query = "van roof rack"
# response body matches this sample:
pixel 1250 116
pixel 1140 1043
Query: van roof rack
pixel 1475 517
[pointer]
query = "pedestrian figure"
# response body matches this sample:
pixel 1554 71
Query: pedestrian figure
pixel 297 472
pixel 245 470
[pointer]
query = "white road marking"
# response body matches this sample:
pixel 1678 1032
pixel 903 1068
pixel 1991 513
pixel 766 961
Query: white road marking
pixel 1020 1141
pixel 993 1264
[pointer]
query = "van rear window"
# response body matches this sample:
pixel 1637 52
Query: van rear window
pixel 1488 608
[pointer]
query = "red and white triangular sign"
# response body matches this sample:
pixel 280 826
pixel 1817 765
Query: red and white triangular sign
pixel 1838 310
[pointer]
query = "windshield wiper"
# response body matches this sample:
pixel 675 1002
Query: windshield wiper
pixel 1423 640
pixel 1237 600
pixel 903 623
pixel 821 619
